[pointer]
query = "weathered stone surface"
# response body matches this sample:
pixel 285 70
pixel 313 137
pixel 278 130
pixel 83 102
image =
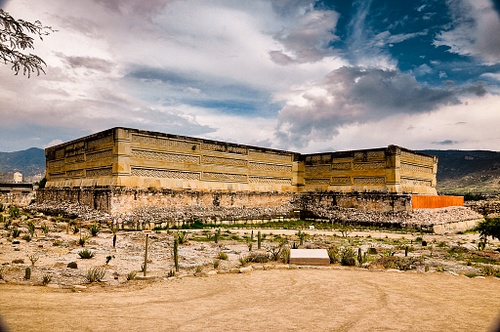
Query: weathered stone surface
pixel 130 158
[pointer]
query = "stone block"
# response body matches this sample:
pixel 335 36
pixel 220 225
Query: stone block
pixel 309 257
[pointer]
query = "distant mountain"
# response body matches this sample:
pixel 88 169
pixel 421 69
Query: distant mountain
pixel 29 162
pixel 464 172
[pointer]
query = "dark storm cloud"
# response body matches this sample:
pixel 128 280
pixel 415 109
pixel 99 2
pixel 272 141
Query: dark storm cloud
pixel 353 95
pixel 446 142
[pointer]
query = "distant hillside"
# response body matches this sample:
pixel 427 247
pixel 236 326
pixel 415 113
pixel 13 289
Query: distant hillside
pixel 467 171
pixel 29 162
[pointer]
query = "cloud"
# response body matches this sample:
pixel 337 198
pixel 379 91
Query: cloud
pixel 470 32
pixel 446 142
pixel 87 62
pixel 352 95
pixel 308 38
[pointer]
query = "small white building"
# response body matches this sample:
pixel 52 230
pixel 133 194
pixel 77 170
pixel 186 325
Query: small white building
pixel 18 177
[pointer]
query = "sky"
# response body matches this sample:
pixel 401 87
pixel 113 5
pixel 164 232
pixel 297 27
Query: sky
pixel 301 75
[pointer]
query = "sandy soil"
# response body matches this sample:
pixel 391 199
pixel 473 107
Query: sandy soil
pixel 435 295
pixel 271 300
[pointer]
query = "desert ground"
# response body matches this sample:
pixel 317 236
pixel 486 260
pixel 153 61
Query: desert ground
pixel 400 280
pixel 272 300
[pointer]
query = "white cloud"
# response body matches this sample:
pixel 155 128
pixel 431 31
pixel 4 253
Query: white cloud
pixel 467 125
pixel 473 32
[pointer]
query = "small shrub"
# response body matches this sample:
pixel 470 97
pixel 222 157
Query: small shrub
pixel 72 265
pixel 7 221
pixel 399 263
pixel 275 252
pixel 302 236
pixel 94 229
pixel 27 238
pixel 285 255
pixel 33 259
pixel 82 240
pixel 489 270
pixel 18 261
pixel 171 273
pixel 182 237
pixel 258 258
pixel 14 212
pixel 3 271
pixel 95 274
pixel 216 263
pixel 46 279
pixel 222 255
pixel 199 268
pixel 31 227
pixel 86 254
pixel 131 275
pixel 347 257
pixel 108 259
pixel 243 260
pixel 45 229
pixel 249 244
pixel 15 232
pixel 57 243
pixel 75 229
pixel 333 254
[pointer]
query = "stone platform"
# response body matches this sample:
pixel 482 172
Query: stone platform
pixel 309 257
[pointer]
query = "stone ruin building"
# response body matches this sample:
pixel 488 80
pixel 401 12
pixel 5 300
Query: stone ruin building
pixel 162 178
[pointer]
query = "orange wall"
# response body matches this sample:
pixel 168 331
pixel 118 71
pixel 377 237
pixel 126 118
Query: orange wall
pixel 434 202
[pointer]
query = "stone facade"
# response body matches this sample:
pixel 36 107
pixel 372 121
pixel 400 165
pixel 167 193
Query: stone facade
pixel 129 158
pixel 122 171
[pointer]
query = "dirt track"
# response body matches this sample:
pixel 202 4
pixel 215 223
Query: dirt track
pixel 274 300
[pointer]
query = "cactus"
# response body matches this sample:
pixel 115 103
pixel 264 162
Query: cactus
pixel 27 273
pixel 114 240
pixel 406 251
pixel 259 240
pixel 360 257
pixel 217 235
pixel 176 255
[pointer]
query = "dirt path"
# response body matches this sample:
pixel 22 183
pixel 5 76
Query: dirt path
pixel 274 300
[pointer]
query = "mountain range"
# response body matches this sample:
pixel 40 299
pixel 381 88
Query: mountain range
pixel 459 171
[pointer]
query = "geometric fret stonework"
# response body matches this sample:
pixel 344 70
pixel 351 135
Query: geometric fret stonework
pixel 131 158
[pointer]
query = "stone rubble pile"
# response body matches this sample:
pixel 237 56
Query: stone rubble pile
pixel 68 210
pixel 411 219
pixel 147 217
pixel 485 207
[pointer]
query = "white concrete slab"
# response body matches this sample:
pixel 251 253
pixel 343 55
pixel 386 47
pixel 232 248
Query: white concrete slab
pixel 309 257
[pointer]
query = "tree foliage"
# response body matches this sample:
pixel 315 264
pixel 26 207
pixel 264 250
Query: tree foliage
pixel 16 39
pixel 489 227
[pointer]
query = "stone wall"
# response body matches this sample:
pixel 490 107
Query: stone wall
pixel 177 205
pixel 388 170
pixel 17 198
pixel 488 207
pixel 130 158
pixel 360 201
